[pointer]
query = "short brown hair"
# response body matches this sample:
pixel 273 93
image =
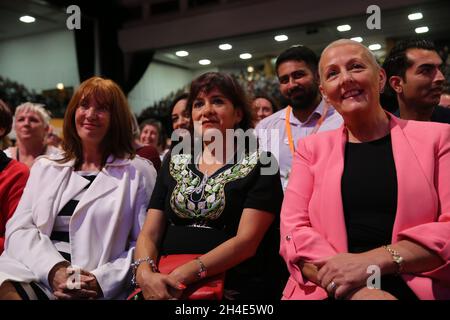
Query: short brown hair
pixel 5 118
pixel 118 139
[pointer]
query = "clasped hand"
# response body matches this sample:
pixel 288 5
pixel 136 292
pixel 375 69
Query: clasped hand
pixel 343 273
pixel 69 283
pixel 158 286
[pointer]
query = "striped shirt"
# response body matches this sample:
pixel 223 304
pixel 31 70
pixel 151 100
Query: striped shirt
pixel 60 233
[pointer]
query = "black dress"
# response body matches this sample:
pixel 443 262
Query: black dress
pixel 369 196
pixel 204 211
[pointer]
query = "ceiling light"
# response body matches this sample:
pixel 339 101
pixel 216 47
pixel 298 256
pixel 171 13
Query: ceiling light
pixel 27 19
pixel 344 27
pixel 182 53
pixel 375 46
pixel 281 37
pixel 415 16
pixel 245 56
pixel 60 86
pixel 357 39
pixel 250 69
pixel 225 46
pixel 204 62
pixel 422 29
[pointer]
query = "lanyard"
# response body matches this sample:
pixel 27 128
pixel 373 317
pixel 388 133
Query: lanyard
pixel 315 129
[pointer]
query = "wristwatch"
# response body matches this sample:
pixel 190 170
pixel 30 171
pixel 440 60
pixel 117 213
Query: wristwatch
pixel 396 257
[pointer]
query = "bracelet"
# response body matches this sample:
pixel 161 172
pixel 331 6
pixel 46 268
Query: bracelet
pixel 396 257
pixel 202 272
pixel 135 265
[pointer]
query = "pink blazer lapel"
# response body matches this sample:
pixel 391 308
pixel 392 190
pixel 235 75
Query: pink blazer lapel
pixel 415 194
pixel 331 209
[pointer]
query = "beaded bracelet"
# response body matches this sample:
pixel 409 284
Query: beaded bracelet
pixel 135 265
pixel 202 272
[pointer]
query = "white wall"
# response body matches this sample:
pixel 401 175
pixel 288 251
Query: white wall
pixel 41 61
pixel 158 81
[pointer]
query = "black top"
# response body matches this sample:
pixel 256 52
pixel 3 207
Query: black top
pixel 369 197
pixel 369 194
pixel 62 234
pixel 4 160
pixel 204 211
pixel 440 114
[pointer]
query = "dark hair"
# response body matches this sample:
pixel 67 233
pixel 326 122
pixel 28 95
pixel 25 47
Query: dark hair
pixel 446 88
pixel 5 118
pixel 159 127
pixel 299 53
pixel 183 96
pixel 229 87
pixel 268 98
pixel 118 139
pixel 396 62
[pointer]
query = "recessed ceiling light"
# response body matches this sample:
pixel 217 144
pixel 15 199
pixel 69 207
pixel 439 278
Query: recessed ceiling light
pixel 250 69
pixel 60 86
pixel 182 53
pixel 422 29
pixel 344 27
pixel 204 62
pixel 415 16
pixel 357 39
pixel 281 37
pixel 225 46
pixel 27 19
pixel 375 46
pixel 245 56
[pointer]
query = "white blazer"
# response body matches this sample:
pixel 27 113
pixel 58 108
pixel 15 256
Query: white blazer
pixel 103 229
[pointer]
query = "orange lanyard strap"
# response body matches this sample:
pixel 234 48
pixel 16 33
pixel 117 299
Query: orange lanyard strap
pixel 315 129
pixel 289 130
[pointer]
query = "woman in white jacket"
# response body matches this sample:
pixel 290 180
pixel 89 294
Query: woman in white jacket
pixel 73 233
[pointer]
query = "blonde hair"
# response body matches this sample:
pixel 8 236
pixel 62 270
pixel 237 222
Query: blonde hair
pixel 37 108
pixel 344 42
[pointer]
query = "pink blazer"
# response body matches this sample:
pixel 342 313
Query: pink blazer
pixel 312 216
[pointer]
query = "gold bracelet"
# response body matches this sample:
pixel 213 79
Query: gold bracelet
pixel 396 257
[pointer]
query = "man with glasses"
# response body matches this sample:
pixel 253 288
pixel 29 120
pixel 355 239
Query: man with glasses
pixel 306 112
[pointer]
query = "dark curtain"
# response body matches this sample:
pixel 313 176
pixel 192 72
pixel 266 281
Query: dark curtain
pixel 113 65
pixel 137 63
pixel 108 18
pixel 111 58
pixel 85 47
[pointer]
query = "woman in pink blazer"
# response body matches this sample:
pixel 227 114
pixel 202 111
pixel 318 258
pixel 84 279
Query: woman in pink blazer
pixel 367 205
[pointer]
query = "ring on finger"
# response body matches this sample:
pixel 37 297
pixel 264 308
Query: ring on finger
pixel 331 287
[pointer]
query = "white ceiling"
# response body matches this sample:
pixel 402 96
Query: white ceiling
pixel 394 25
pixel 47 18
